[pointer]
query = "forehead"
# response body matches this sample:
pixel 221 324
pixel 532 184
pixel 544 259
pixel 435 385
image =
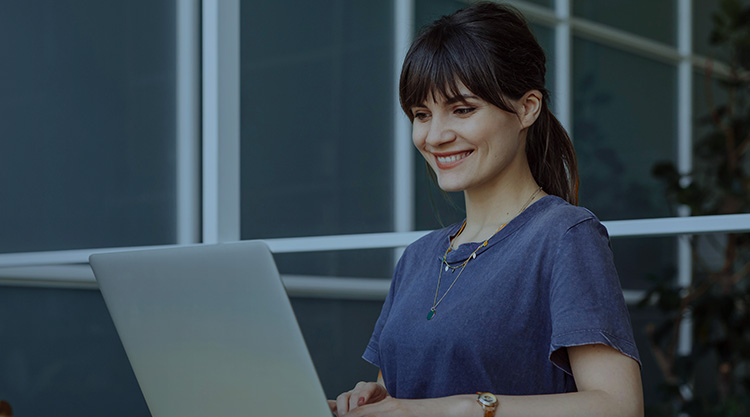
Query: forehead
pixel 448 94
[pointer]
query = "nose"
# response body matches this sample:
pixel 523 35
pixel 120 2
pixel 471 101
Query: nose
pixel 440 132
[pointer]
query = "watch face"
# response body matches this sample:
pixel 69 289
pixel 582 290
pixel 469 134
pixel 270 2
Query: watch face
pixel 487 399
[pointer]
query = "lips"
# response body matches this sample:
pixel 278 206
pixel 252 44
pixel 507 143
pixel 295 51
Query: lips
pixel 447 161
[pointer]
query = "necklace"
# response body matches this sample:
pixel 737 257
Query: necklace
pixel 443 261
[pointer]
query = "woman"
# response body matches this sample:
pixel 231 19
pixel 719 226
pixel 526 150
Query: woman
pixel 521 301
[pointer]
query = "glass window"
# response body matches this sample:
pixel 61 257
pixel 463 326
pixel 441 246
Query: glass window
pixel 316 118
pixel 624 123
pixel 708 95
pixel 360 263
pixel 88 127
pixel 546 3
pixel 703 11
pixel 427 11
pixel 546 37
pixel 655 20
pixel 60 354
pixel 640 260
pixel 316 128
pixel 643 319
pixel 336 333
pixel 713 101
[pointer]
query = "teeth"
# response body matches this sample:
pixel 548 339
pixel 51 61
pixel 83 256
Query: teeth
pixel 452 158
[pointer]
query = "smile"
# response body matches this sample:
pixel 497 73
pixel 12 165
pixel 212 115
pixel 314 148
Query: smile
pixel 449 161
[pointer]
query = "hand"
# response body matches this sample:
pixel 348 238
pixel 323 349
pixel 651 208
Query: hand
pixel 363 393
pixel 434 407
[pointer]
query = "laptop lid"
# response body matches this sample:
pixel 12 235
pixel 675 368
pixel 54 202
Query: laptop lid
pixel 209 330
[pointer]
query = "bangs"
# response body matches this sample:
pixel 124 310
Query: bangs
pixel 437 75
pixel 438 65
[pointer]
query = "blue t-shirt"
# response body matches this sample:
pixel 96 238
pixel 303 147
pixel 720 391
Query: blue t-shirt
pixel 546 281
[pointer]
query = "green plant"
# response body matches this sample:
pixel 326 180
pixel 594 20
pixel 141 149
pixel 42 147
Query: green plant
pixel 714 378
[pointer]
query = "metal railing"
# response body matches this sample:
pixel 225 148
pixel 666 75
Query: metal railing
pixel 69 269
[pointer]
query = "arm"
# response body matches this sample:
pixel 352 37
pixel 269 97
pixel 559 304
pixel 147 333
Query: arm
pixel 608 382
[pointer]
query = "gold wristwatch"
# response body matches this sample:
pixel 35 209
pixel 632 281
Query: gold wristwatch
pixel 489 403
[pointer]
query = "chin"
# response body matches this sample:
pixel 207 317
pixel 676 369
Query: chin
pixel 450 186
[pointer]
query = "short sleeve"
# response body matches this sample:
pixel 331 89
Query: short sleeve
pixel 372 352
pixel 586 301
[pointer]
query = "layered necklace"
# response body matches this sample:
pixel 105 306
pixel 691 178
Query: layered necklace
pixel 444 265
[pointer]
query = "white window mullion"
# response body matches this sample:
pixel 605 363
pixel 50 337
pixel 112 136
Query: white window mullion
pixel 221 120
pixel 188 122
pixel 563 65
pixel 684 152
pixel 403 161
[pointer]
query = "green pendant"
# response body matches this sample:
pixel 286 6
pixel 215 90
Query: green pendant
pixel 431 314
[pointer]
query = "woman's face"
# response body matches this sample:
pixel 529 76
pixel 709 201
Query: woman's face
pixel 469 143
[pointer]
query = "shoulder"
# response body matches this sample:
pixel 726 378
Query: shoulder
pixel 556 217
pixel 555 224
pixel 556 211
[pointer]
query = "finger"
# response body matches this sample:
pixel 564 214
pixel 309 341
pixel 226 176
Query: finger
pixel 373 393
pixel 356 400
pixel 370 410
pixel 342 403
pixel 357 397
pixel 332 406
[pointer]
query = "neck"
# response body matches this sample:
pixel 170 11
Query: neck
pixel 499 209
pixel 487 211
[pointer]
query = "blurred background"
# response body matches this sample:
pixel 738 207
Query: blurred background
pixel 160 122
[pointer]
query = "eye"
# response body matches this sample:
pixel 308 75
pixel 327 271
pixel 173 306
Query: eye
pixel 463 111
pixel 421 115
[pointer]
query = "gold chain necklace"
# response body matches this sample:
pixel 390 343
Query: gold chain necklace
pixel 473 255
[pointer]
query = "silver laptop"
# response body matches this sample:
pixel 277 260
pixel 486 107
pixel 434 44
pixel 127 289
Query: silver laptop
pixel 209 330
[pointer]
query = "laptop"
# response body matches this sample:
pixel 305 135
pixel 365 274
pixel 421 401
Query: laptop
pixel 209 330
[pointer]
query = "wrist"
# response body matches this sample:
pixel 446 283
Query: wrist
pixel 466 406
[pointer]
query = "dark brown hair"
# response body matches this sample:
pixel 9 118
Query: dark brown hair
pixel 489 49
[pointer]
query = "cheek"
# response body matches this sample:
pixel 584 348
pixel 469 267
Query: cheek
pixel 419 139
pixel 416 137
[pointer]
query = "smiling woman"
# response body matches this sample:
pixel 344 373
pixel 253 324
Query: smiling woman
pixel 521 300
pixel 499 65
pixel 471 144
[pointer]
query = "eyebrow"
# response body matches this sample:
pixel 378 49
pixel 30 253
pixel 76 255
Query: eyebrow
pixel 461 98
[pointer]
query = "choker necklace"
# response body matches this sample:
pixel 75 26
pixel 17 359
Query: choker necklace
pixel 473 255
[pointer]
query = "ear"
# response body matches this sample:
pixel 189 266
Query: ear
pixel 530 105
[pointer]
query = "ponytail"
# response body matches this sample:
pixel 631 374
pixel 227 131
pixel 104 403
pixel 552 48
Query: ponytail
pixel 551 157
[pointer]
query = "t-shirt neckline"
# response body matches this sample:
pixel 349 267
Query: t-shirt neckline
pixel 465 250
